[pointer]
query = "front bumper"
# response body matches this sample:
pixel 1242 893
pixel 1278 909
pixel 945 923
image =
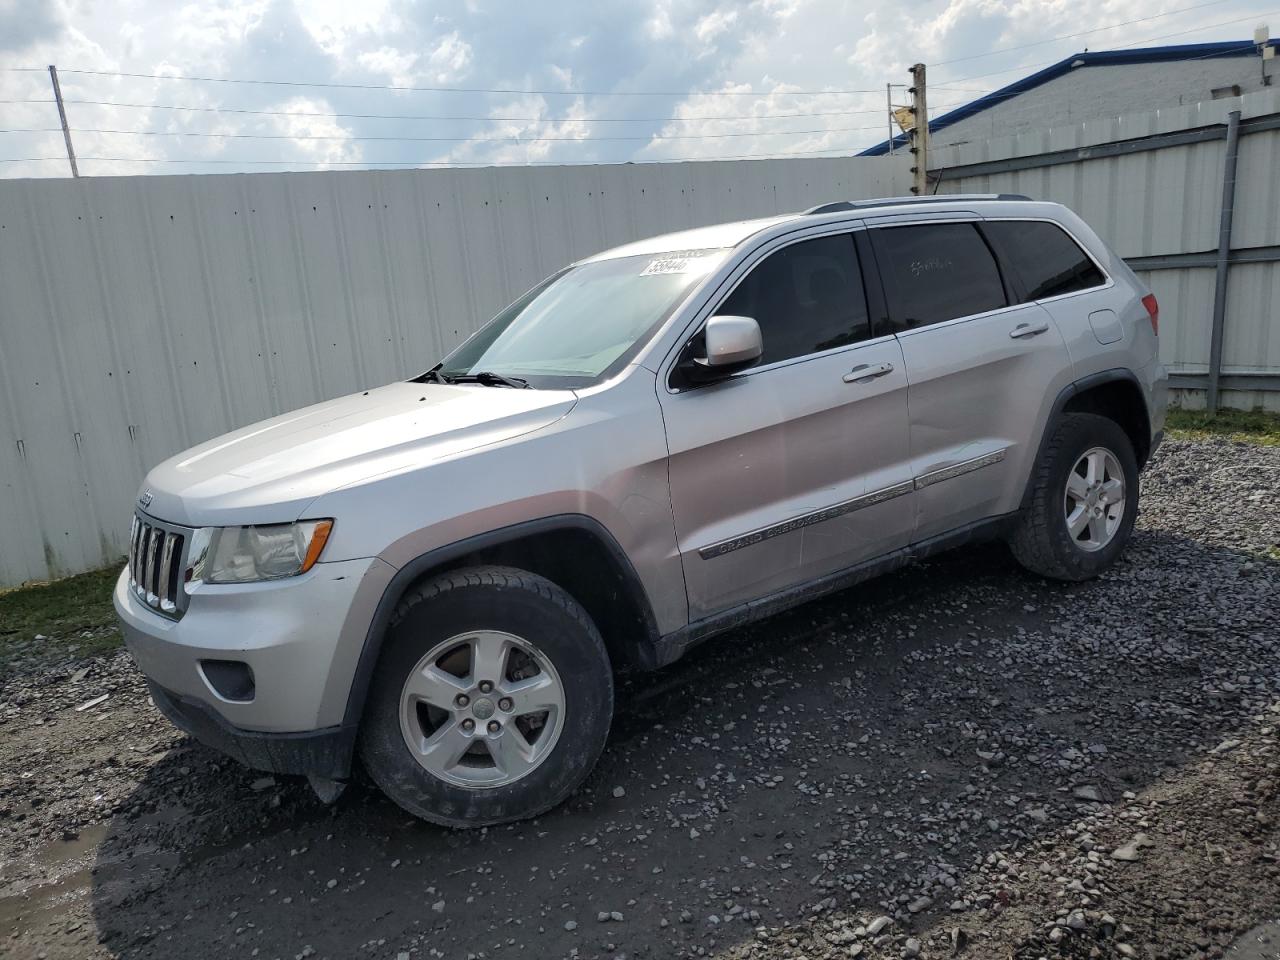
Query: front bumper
pixel 321 753
pixel 301 637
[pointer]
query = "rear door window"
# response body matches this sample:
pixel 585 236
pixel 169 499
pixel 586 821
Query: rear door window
pixel 1045 258
pixel 935 272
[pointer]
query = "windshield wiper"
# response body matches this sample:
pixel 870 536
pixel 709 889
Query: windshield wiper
pixel 489 379
pixel 434 376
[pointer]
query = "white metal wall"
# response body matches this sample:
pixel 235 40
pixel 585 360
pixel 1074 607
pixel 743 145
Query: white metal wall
pixel 1167 202
pixel 1095 90
pixel 142 315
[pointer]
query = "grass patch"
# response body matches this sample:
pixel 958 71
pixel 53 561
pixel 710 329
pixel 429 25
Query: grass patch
pixel 1251 426
pixel 73 615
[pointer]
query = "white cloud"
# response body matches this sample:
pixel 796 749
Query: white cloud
pixel 714 24
pixel 527 141
pixel 340 26
pixel 714 48
pixel 658 26
pixel 399 67
pixel 199 26
pixel 321 151
pixel 450 59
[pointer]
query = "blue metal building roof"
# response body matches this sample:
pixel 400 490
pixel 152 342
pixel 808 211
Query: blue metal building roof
pixel 1187 51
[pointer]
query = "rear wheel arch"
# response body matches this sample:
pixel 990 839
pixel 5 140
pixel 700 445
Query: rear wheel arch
pixel 1084 500
pixel 573 551
pixel 1118 398
pixel 1114 394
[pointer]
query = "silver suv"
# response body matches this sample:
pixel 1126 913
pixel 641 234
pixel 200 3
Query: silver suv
pixel 442 577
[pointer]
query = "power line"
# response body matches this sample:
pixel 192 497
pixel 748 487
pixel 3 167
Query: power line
pixel 997 96
pixel 948 84
pixel 1183 33
pixel 411 89
pixel 411 164
pixel 1072 36
pixel 509 139
pixel 407 116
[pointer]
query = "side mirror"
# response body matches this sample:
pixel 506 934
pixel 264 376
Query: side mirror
pixel 730 344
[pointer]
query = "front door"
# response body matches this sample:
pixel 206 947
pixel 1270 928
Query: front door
pixel 799 466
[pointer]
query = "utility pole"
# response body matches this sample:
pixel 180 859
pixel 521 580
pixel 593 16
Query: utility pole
pixel 919 132
pixel 1262 38
pixel 888 100
pixel 62 115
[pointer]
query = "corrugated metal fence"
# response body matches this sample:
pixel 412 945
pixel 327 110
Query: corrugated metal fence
pixel 141 315
pixel 1152 186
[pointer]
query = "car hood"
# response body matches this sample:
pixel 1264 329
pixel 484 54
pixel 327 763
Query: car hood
pixel 268 472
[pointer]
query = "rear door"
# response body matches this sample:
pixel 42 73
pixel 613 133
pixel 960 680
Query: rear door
pixel 799 466
pixel 980 369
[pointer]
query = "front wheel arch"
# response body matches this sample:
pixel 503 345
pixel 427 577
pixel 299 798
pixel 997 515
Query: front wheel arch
pixel 620 607
pixel 424 739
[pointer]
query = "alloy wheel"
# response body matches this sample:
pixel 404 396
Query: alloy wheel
pixel 1094 501
pixel 482 709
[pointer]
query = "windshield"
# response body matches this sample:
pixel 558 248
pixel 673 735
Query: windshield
pixel 583 324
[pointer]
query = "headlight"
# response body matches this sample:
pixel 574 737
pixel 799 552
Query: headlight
pixel 246 554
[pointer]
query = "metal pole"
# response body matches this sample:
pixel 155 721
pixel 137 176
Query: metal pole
pixel 62 115
pixel 920 132
pixel 1224 257
pixel 888 102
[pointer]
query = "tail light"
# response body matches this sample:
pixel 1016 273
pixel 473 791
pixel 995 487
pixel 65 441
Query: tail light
pixel 1153 310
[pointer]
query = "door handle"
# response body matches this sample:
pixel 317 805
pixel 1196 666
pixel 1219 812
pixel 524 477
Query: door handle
pixel 866 372
pixel 1029 329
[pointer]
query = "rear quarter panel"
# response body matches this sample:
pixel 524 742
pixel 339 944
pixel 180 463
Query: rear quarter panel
pixel 1136 348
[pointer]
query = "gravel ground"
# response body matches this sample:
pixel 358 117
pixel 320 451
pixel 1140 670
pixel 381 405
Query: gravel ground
pixel 957 759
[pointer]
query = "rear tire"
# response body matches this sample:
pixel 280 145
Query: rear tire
pixel 491 701
pixel 1084 500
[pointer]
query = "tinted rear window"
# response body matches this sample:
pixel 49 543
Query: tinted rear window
pixel 936 272
pixel 1047 261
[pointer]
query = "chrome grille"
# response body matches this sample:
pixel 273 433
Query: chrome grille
pixel 156 552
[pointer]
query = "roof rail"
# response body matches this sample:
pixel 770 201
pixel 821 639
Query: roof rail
pixel 841 205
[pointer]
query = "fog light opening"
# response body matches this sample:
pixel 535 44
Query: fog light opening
pixel 230 679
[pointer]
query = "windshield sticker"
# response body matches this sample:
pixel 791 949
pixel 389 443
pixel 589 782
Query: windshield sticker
pixel 681 261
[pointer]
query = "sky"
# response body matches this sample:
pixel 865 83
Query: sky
pixel 522 82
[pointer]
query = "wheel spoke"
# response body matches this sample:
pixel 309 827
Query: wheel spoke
pixel 1112 491
pixel 434 686
pixel 489 658
pixel 534 695
pixel 512 753
pixel 1094 467
pixel 443 749
pixel 1077 486
pixel 1098 529
pixel 1077 521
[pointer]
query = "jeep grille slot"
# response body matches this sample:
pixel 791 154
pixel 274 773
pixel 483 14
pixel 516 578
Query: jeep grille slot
pixel 155 565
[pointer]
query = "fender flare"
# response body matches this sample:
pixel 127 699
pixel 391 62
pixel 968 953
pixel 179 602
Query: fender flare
pixel 444 555
pixel 1114 375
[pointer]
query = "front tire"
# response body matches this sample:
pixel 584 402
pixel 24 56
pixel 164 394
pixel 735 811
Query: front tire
pixel 492 699
pixel 1084 500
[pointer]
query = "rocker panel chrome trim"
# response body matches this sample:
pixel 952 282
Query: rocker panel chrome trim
pixel 849 506
pixel 960 469
pixel 805 520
